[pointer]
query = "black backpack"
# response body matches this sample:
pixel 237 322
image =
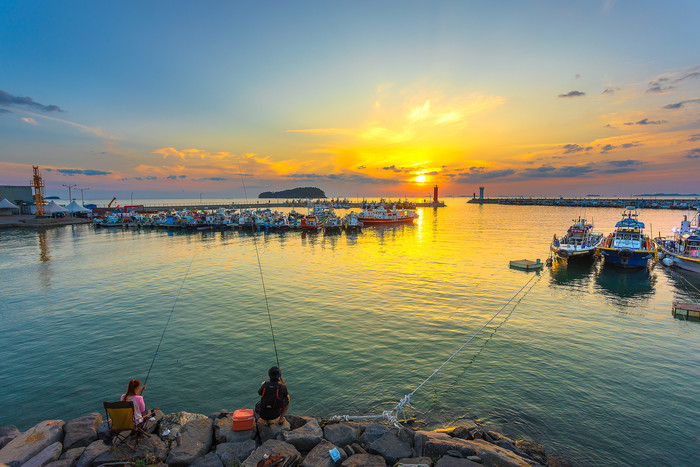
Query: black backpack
pixel 270 399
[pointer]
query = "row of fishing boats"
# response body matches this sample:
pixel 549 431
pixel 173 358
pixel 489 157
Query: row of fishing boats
pixel 628 246
pixel 320 217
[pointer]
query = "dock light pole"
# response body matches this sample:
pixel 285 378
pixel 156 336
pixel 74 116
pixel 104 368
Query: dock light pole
pixel 70 198
pixel 132 198
pixel 200 198
pixel 82 193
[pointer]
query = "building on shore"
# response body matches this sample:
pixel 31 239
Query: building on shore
pixel 17 194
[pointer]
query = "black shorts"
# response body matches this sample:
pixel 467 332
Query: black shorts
pixel 271 414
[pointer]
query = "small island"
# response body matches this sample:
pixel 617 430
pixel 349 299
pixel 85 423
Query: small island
pixel 304 192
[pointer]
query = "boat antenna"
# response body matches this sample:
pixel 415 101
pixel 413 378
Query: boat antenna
pixel 168 322
pixel 262 279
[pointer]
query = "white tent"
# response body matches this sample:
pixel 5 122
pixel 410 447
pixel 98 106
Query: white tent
pixel 53 208
pixel 7 208
pixel 75 207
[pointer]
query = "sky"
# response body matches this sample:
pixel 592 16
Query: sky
pixel 358 98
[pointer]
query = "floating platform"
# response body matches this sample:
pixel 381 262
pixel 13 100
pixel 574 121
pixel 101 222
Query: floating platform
pixel 526 264
pixel 687 310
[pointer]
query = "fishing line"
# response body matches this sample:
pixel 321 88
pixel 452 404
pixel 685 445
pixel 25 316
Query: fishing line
pixel 262 279
pixel 168 322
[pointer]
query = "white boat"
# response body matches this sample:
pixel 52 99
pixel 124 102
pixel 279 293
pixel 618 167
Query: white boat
pixel 683 249
pixel 352 222
pixel 579 242
pixel 628 246
pixel 382 216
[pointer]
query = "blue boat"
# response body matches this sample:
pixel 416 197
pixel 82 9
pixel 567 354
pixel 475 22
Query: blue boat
pixel 627 246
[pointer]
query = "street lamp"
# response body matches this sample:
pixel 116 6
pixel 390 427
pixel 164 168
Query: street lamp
pixel 70 198
pixel 82 193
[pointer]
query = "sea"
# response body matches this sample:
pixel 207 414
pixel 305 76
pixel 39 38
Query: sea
pixel 586 360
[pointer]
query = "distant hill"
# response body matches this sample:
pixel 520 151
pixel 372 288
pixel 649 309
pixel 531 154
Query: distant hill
pixel 691 195
pixel 305 192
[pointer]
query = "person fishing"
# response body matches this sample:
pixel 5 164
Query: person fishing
pixel 133 395
pixel 274 398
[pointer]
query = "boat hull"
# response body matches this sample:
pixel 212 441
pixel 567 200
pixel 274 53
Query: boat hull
pixel 585 254
pixel 371 221
pixel 626 258
pixel 683 262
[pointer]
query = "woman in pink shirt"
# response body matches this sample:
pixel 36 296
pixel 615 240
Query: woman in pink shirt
pixel 133 394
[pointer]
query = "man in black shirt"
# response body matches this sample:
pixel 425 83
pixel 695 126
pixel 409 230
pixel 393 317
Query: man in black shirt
pixel 274 398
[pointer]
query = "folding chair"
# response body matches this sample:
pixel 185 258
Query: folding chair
pixel 120 417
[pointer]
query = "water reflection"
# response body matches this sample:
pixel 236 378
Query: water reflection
pixel 44 255
pixel 573 273
pixel 628 285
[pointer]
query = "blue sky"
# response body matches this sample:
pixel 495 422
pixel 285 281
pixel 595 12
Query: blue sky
pixel 165 98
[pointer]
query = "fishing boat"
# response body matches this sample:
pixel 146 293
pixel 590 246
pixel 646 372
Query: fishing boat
pixel 627 246
pixel 579 242
pixel 351 221
pixel 683 248
pixel 332 223
pixel 382 216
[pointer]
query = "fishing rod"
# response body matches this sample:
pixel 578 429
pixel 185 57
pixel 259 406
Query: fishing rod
pixel 168 322
pixel 262 279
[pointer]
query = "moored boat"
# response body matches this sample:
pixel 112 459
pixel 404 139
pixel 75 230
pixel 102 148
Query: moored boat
pixel 683 249
pixel 579 242
pixel 628 246
pixel 381 216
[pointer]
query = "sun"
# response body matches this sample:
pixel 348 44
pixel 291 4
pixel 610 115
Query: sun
pixel 420 179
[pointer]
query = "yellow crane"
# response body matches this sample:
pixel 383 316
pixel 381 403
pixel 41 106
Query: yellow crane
pixel 110 203
pixel 38 185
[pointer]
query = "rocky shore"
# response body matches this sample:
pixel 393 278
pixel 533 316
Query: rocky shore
pixel 181 439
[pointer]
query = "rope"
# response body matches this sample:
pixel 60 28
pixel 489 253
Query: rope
pixel 392 415
pixel 168 322
pixel 262 279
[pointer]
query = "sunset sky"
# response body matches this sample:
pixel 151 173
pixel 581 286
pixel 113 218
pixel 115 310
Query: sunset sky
pixel 368 98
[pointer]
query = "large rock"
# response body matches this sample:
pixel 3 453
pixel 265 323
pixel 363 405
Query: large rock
pixel 32 442
pixel 274 447
pixel 390 447
pixel 195 441
pixel 210 460
pixel 273 431
pixel 60 463
pixel 449 461
pixel 149 446
pixel 416 461
pixel 235 452
pixel 492 455
pixel 532 450
pixel 7 434
pixel 306 437
pixel 364 460
pixel 341 434
pixel 173 423
pixel 72 456
pixel 48 455
pixel 93 450
pixel 373 432
pixel 81 431
pixel 320 455
pixel 223 430
pixel 439 444
pixel 153 422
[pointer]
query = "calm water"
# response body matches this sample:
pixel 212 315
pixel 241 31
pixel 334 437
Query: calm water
pixel 590 363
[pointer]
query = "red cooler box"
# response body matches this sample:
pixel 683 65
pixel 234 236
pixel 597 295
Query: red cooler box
pixel 243 419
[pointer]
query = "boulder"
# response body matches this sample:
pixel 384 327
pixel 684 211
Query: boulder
pixel 373 432
pixel 320 456
pixel 449 461
pixel 415 461
pixel 150 447
pixel 173 422
pixel 364 460
pixel 223 430
pixel 195 441
pixel 60 463
pixel 341 434
pixel 81 431
pixel 32 442
pixel 273 431
pixel 210 460
pixel 297 422
pixel 235 452
pixel 390 447
pixel 48 455
pixel 103 432
pixel 274 447
pixel 532 450
pixel 439 444
pixel 306 437
pixel 464 432
pixel 72 456
pixel 492 455
pixel 93 450
pixel 152 425
pixel 7 434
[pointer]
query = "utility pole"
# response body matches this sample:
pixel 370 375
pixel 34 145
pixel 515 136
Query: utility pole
pixel 70 198
pixel 132 198
pixel 82 195
pixel 200 198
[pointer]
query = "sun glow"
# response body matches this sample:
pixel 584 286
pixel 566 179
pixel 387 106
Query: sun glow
pixel 420 179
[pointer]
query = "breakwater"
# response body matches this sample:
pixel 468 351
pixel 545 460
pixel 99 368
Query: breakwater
pixel 181 439
pixel 299 204
pixel 642 203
